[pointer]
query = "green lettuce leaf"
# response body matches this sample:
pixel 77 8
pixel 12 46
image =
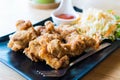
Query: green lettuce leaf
pixel 117 17
pixel 117 33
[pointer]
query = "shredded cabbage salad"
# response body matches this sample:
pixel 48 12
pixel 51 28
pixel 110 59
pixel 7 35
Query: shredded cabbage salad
pixel 104 24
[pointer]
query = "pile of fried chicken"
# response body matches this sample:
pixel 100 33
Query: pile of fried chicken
pixel 54 45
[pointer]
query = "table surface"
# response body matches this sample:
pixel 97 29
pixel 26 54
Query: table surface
pixel 13 10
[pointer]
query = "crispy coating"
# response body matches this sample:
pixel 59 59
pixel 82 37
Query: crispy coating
pixel 57 45
pixel 37 50
pixel 25 33
pixel 54 45
pixel 23 25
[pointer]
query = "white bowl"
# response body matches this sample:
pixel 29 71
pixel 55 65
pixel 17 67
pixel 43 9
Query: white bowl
pixel 59 21
pixel 64 8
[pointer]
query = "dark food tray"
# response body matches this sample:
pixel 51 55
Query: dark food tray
pixel 30 70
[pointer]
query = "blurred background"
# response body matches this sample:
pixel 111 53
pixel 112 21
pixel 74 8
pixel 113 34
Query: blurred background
pixel 13 10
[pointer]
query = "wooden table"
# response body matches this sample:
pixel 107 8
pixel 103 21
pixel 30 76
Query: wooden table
pixel 109 69
pixel 12 10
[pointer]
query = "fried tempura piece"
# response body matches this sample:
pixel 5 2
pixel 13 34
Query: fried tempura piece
pixel 25 33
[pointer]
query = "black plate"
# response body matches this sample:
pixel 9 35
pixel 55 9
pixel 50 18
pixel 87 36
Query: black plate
pixel 30 70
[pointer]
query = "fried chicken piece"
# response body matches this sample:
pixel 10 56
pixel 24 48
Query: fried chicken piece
pixel 55 62
pixel 23 25
pixel 48 47
pixel 34 49
pixel 78 43
pixel 56 45
pixel 37 50
pixel 64 30
pixel 75 43
pixel 48 28
pixel 25 33
pixel 36 44
pixel 53 45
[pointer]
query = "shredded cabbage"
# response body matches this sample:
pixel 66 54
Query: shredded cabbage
pixel 104 23
pixel 117 32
